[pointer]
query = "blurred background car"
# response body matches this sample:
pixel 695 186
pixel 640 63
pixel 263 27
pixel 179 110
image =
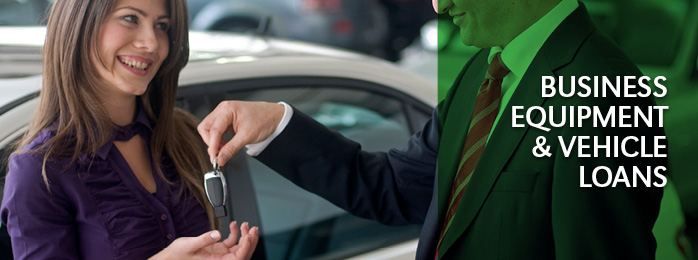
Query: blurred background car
pixel 381 28
pixel 377 27
pixel 366 99
pixel 351 24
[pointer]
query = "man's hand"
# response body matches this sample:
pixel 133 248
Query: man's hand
pixel 252 122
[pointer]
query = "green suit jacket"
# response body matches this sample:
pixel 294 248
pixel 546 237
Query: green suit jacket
pixel 518 206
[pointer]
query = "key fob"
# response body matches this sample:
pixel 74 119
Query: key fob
pixel 216 190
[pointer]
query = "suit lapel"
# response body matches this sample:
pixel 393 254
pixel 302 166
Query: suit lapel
pixel 558 50
pixel 456 122
pixel 501 146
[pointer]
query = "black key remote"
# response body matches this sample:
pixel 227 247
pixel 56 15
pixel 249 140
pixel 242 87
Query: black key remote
pixel 216 190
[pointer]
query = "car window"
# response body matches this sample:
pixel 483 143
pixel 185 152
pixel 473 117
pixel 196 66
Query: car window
pixel 298 224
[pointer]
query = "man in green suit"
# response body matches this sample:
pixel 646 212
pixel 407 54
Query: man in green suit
pixel 519 206
pixel 469 177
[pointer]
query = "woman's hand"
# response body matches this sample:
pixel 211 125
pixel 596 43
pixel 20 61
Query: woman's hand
pixel 231 245
pixel 206 246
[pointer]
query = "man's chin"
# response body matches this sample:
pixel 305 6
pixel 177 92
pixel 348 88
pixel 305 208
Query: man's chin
pixel 469 39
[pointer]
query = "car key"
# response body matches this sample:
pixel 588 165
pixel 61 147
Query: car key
pixel 216 190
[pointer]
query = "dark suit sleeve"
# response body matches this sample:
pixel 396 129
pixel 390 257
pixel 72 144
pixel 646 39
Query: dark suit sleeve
pixel 610 222
pixel 393 188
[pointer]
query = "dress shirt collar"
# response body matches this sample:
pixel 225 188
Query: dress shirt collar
pixel 141 125
pixel 519 53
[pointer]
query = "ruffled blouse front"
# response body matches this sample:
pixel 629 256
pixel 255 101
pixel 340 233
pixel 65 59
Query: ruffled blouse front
pixel 96 208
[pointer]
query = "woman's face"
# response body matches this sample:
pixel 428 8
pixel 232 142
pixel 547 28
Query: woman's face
pixel 133 43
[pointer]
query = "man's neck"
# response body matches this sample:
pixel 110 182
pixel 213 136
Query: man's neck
pixel 535 10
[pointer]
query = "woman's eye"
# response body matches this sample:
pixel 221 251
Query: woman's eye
pixel 130 18
pixel 162 26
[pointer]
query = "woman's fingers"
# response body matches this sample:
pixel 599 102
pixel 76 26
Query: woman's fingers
pixel 245 249
pixel 245 229
pixel 233 237
pixel 254 238
pixel 189 246
pixel 204 240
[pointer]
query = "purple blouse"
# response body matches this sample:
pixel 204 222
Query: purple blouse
pixel 96 208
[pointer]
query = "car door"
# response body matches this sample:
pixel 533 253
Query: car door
pixel 294 223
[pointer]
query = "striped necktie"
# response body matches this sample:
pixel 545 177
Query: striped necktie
pixel 481 122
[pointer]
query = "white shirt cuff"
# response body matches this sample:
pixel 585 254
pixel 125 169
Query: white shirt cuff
pixel 257 148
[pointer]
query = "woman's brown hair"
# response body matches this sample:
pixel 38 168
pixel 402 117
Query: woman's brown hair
pixel 82 125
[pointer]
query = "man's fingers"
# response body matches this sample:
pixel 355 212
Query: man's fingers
pixel 252 122
pixel 203 128
pixel 216 132
pixel 232 147
pixel 213 154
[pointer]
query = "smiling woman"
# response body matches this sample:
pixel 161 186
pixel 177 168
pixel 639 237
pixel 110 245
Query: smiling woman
pixel 133 44
pixel 109 169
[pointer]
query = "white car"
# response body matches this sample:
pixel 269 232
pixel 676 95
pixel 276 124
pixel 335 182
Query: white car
pixel 366 99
